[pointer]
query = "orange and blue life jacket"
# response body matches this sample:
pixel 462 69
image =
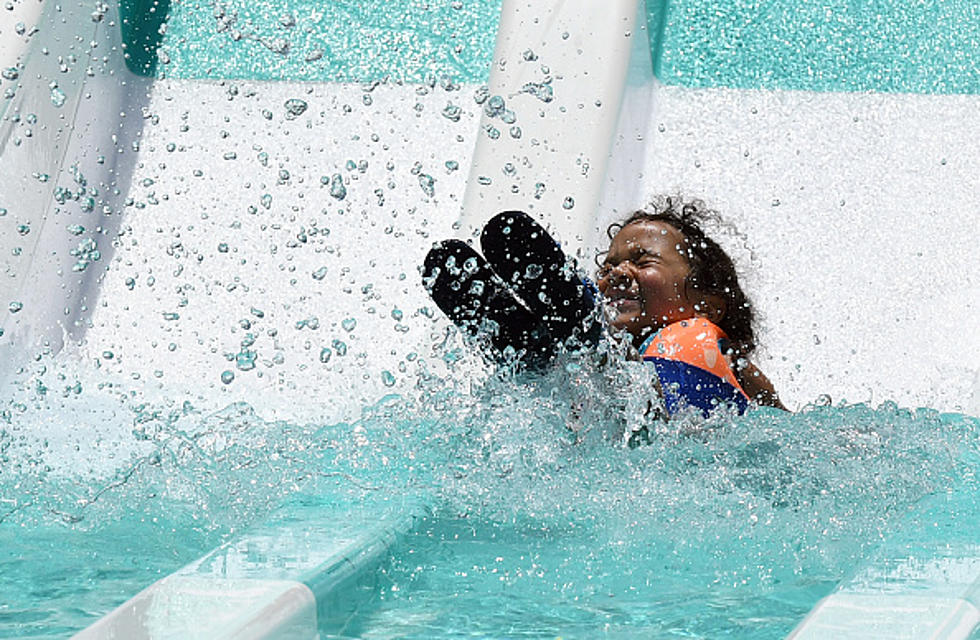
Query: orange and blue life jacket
pixel 689 357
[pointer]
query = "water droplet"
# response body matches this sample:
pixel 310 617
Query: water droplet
pixel 325 354
pixel 568 203
pixel 223 247
pixel 58 96
pixel 397 314
pixel 452 112
pixel 320 273
pixel 340 347
pixel 295 107
pixel 540 90
pixel 15 306
pixel 266 200
pixel 529 56
pixel 348 324
pixel 481 94
pixel 451 165
pixel 494 106
pixel 428 184
pixel 515 132
pixel 533 271
pixel 227 376
pixel 245 360
pixel 337 188
pixel 387 378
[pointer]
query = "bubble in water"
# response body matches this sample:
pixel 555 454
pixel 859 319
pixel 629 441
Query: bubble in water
pixel 568 202
pixel 340 347
pixel 227 376
pixel 533 271
pixel 387 378
pixel 295 107
pixel 266 200
pixel 348 324
pixel 15 306
pixel 320 273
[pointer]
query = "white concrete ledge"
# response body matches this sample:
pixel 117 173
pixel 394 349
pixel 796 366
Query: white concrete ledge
pixel 304 570
pixel 843 616
pixel 192 608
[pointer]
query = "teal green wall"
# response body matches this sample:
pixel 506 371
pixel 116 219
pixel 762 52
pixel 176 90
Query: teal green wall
pixel 916 46
pixel 912 46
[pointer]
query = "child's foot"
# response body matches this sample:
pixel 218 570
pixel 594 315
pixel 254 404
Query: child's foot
pixel 528 259
pixel 465 288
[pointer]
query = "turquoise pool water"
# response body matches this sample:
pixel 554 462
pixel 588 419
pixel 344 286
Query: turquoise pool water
pixel 734 528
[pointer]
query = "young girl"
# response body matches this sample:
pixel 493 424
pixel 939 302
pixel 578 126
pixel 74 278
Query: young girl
pixel 667 286
pixel 674 291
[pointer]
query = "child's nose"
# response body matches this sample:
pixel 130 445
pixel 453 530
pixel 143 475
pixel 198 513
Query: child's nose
pixel 621 274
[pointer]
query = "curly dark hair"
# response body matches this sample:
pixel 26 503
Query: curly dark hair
pixel 712 270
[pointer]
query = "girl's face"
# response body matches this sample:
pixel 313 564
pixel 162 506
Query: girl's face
pixel 643 279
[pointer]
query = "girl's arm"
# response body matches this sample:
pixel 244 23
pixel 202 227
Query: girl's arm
pixel 757 386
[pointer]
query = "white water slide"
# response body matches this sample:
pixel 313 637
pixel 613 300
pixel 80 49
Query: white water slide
pixel 856 231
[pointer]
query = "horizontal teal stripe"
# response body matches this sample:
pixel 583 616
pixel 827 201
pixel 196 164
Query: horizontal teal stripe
pixel 330 41
pixel 912 46
pixel 916 46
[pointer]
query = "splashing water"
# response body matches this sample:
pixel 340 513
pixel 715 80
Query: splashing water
pixel 531 480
